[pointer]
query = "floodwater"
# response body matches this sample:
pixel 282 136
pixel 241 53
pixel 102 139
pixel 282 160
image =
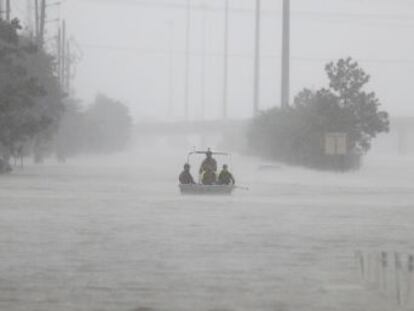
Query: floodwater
pixel 114 234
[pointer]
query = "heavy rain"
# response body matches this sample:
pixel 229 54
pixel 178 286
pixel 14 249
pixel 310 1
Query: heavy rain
pixel 206 155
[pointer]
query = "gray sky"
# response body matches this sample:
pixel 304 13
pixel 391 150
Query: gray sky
pixel 126 44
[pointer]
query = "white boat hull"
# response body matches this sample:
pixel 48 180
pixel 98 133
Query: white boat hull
pixel 206 190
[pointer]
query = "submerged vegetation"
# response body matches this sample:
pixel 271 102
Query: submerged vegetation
pixel 38 118
pixel 301 134
pixel 104 127
pixel 31 100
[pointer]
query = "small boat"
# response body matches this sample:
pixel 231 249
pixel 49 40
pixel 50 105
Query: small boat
pixel 199 188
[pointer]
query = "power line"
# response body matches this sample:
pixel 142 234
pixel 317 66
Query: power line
pixel 257 58
pixel 187 59
pixel 399 18
pixel 137 50
pixel 220 8
pixel 361 60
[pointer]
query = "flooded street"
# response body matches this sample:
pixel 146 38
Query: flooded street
pixel 115 234
pixel 131 107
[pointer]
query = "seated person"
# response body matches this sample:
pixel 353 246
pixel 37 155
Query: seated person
pixel 185 176
pixel 208 177
pixel 225 177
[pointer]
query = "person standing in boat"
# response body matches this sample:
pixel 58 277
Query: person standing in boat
pixel 185 176
pixel 225 177
pixel 209 163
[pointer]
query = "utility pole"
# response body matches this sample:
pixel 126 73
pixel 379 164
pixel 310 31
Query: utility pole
pixel 63 57
pixel 37 22
pixel 226 59
pixel 203 61
pixel 29 9
pixel 8 10
pixel 68 68
pixel 256 95
pixel 187 61
pixel 59 54
pixel 170 68
pixel 285 88
pixel 42 22
pixel 1 9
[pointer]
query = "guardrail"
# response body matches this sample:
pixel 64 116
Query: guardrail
pixel 391 273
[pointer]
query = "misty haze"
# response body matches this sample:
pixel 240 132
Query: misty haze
pixel 206 155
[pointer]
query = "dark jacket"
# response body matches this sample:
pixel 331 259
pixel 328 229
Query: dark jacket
pixel 226 178
pixel 208 164
pixel 186 178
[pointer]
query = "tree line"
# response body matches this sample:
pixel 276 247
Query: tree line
pixel 37 117
pixel 302 134
pixel 103 127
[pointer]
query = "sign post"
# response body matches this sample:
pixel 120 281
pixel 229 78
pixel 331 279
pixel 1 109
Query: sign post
pixel 336 144
pixel 336 147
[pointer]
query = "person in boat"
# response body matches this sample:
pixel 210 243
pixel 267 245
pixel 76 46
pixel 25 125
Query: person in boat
pixel 208 177
pixel 185 176
pixel 225 177
pixel 209 163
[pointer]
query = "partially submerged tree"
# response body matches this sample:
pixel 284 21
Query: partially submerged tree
pixel 297 134
pixel 70 138
pixel 108 125
pixel 30 96
pixel 104 127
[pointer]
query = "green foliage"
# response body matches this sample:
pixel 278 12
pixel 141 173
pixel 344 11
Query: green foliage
pixel 296 134
pixel 104 127
pixel 70 138
pixel 30 96
pixel 109 125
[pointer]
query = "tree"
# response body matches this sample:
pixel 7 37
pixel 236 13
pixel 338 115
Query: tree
pixel 296 134
pixel 70 137
pixel 108 125
pixel 365 120
pixel 30 97
pixel 104 127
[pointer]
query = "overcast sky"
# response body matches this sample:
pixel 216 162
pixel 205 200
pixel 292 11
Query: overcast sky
pixel 126 48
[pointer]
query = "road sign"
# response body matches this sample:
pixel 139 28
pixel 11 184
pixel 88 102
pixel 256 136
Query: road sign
pixel 336 143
